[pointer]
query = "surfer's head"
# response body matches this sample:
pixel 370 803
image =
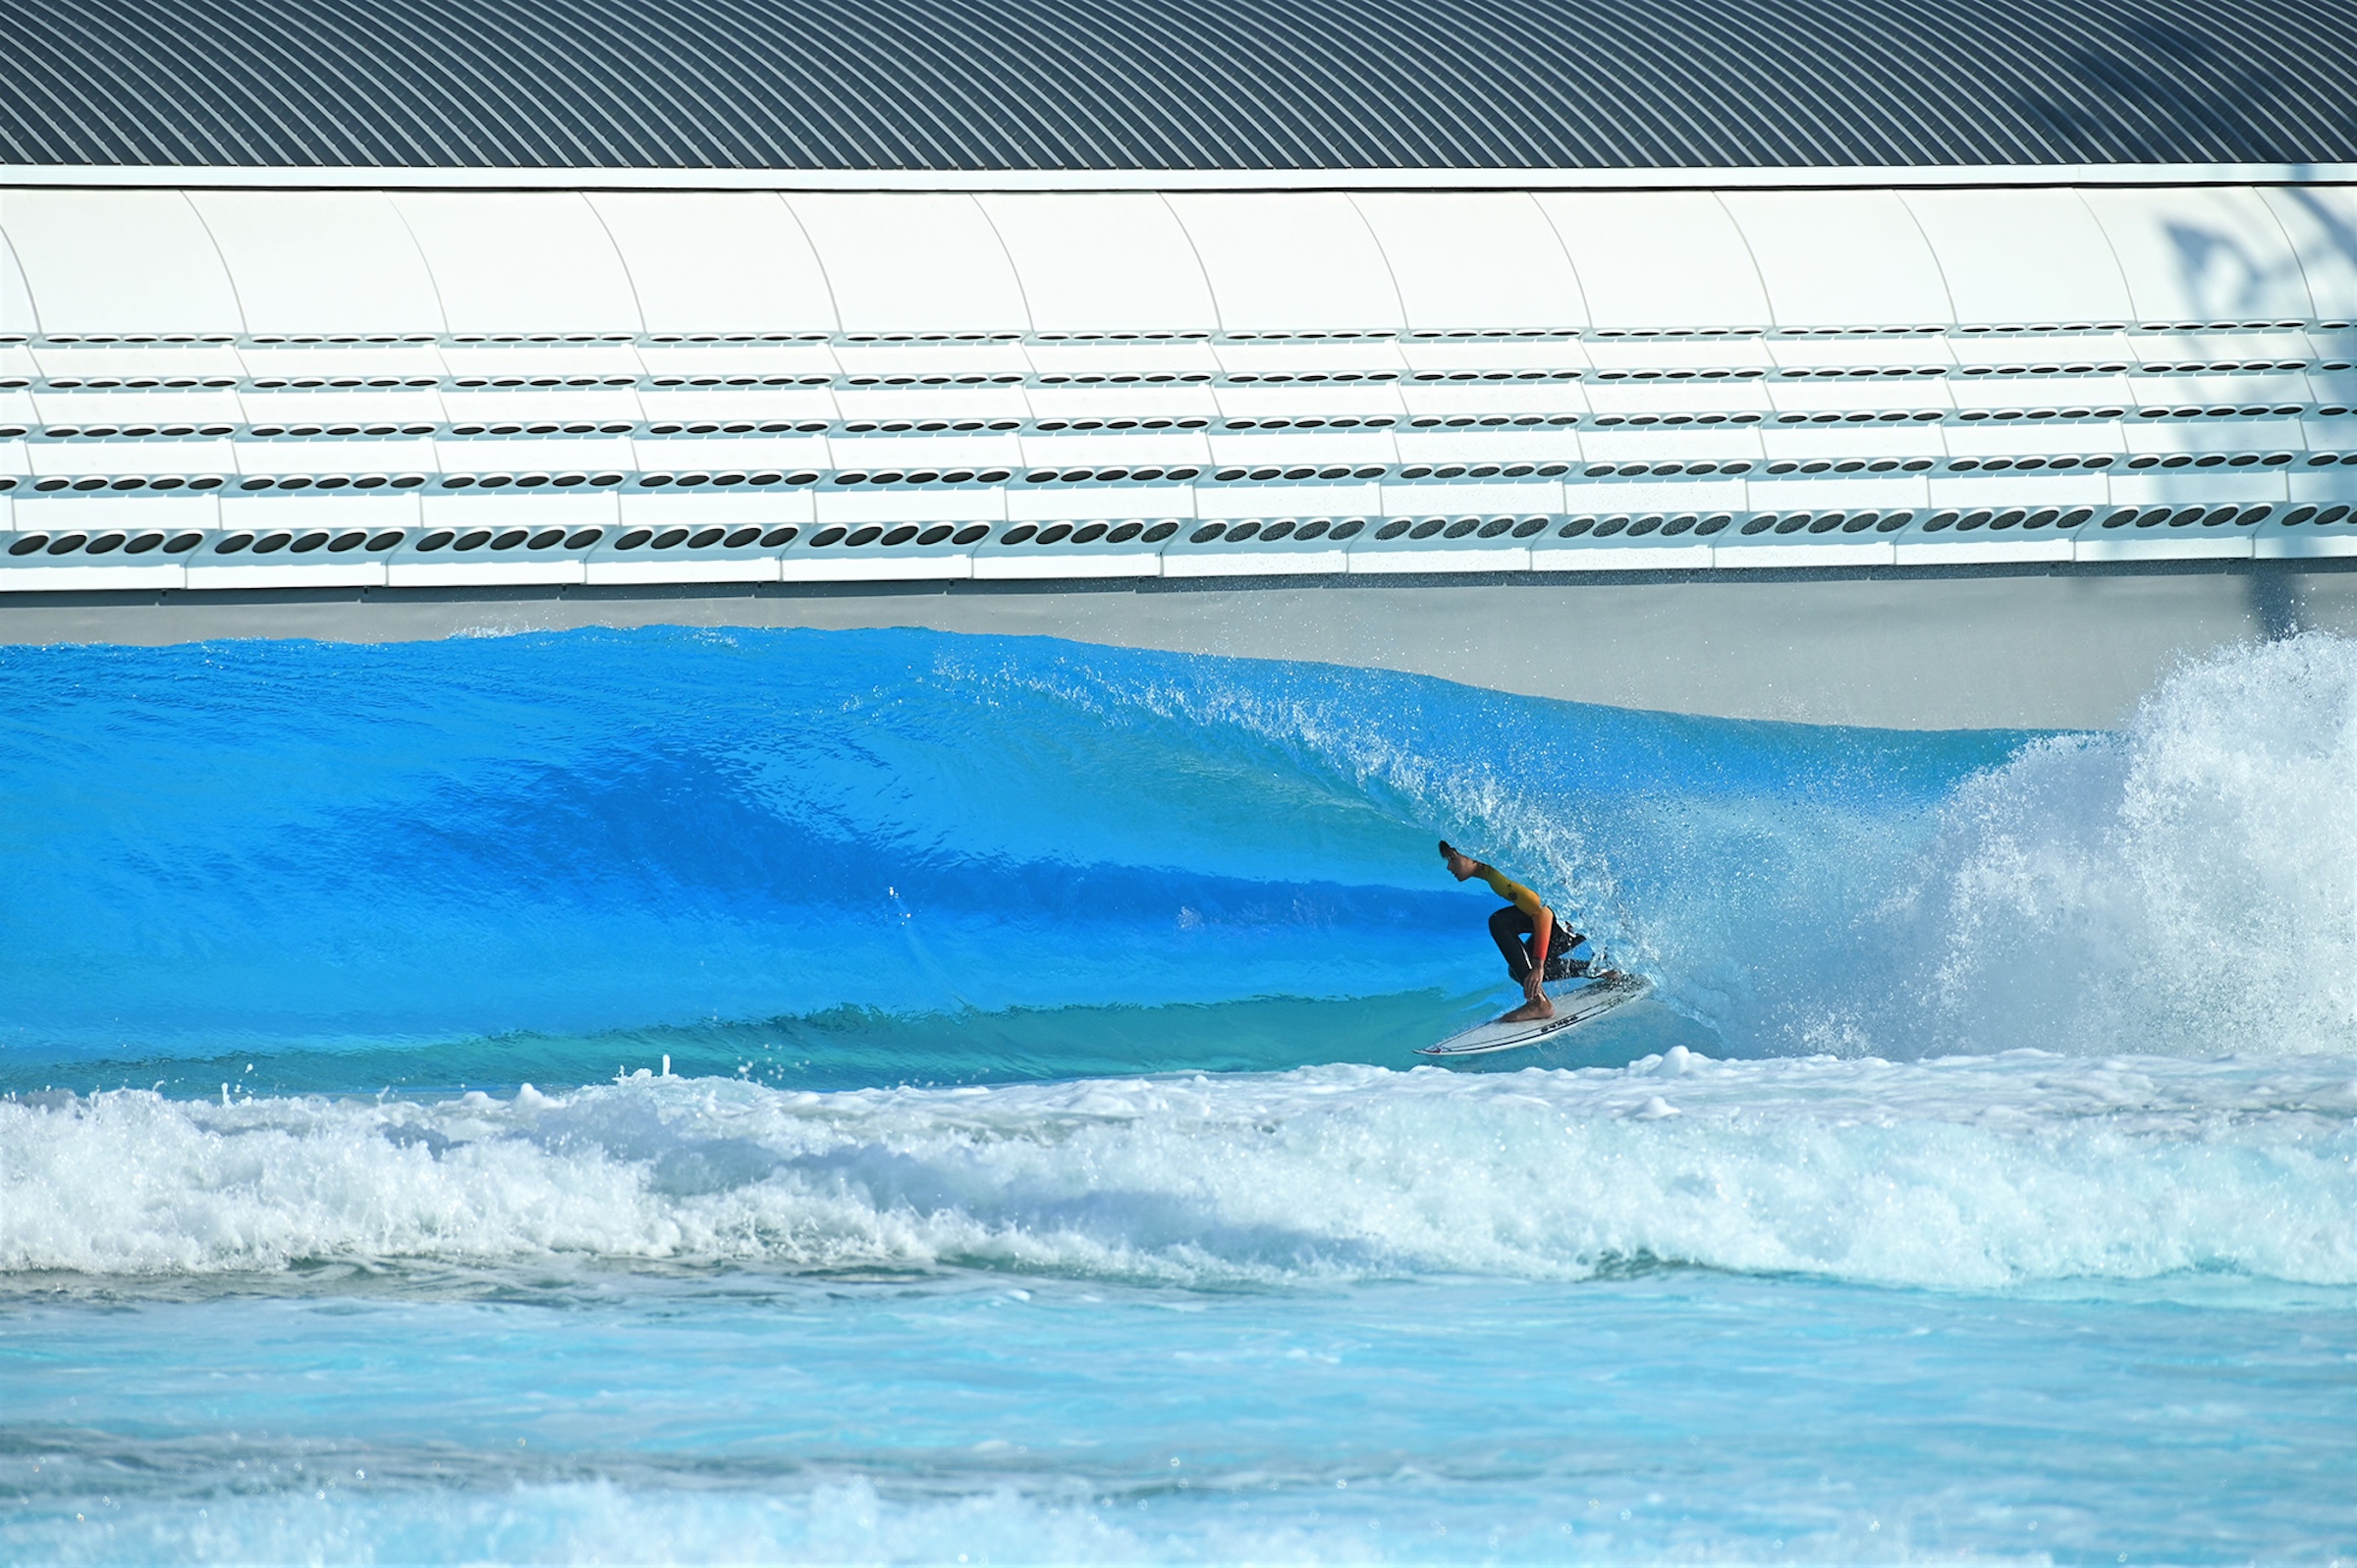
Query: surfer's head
pixel 1461 865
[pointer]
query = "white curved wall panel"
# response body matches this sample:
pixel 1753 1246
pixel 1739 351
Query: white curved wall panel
pixel 1103 263
pixel 288 263
pixel 2320 222
pixel 2021 256
pixel 1304 262
pixel 321 261
pixel 17 314
pixel 120 261
pixel 708 261
pixel 913 263
pixel 2201 255
pixel 1658 259
pixel 1474 261
pixel 511 262
pixel 1841 259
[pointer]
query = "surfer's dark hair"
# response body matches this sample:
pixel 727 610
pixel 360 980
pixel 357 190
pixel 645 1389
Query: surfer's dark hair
pixel 1447 847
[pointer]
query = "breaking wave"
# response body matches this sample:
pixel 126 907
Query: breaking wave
pixel 1972 1009
pixel 493 859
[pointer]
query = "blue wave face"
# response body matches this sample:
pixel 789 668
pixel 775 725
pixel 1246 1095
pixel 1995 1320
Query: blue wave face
pixel 289 847
pixel 868 856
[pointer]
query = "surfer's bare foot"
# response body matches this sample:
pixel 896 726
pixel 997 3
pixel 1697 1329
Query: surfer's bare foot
pixel 1531 1011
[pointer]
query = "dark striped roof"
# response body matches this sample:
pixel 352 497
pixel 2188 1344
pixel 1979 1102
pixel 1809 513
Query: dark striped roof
pixel 1118 84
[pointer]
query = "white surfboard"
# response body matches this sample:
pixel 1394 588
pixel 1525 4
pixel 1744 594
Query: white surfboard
pixel 1584 1004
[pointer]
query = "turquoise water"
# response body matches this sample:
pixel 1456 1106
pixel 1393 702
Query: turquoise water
pixel 894 1097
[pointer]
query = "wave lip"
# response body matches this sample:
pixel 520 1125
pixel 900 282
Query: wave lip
pixel 1989 1173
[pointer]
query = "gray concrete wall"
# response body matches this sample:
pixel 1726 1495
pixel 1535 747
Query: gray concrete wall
pixel 1907 650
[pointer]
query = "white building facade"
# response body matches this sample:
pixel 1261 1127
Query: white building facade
pixel 259 387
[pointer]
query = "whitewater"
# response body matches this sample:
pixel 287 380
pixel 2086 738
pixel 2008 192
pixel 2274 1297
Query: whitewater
pixel 676 1095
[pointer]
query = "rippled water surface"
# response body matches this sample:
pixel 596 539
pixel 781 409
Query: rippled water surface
pixel 898 1097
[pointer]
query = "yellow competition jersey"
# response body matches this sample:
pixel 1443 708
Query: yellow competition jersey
pixel 1512 892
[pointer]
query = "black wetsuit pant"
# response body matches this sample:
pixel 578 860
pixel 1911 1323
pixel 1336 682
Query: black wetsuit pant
pixel 1517 937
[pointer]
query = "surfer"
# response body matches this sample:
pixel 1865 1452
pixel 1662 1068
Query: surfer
pixel 1537 947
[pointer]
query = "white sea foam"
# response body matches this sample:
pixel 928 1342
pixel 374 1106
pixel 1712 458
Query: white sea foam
pixel 2187 886
pixel 1977 1172
pixel 853 1521
pixel 590 1522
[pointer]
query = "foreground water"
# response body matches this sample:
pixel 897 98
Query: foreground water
pixel 894 1097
